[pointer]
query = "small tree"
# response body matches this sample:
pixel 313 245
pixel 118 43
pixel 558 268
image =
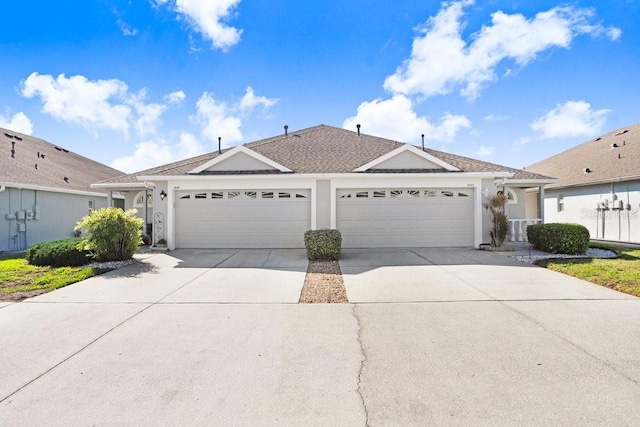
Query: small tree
pixel 111 234
pixel 501 226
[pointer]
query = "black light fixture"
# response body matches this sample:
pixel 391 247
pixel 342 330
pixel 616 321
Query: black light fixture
pixel 163 195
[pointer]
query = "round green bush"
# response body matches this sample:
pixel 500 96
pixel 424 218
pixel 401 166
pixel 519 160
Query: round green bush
pixel 556 238
pixel 58 253
pixel 111 233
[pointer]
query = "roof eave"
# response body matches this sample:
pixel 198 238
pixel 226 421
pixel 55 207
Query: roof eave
pixel 122 185
pixel 331 175
pixel 533 182
pixel 599 181
pixel 51 189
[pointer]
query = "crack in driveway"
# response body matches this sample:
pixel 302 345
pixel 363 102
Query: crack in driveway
pixel 363 360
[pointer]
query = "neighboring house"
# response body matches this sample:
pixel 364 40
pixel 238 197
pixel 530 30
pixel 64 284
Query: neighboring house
pixel 598 187
pixel 377 192
pixel 44 190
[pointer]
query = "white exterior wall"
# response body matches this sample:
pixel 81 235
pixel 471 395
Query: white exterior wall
pixel 518 209
pixel 159 215
pixel 346 181
pixel 57 217
pixel 580 207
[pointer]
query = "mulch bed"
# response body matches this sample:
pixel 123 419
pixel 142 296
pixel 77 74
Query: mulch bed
pixel 323 283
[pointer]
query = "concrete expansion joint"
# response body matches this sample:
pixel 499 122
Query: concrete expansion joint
pixel 363 360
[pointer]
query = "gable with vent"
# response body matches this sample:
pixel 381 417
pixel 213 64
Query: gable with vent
pixel 407 157
pixel 240 158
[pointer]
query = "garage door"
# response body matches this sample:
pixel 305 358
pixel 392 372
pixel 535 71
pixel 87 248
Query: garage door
pixel 403 217
pixel 242 219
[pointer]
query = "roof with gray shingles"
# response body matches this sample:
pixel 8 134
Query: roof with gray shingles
pixel 605 161
pixel 325 149
pixel 36 162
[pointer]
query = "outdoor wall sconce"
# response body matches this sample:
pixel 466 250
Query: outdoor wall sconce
pixel 163 195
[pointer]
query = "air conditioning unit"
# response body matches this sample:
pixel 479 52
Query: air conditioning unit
pixel 618 205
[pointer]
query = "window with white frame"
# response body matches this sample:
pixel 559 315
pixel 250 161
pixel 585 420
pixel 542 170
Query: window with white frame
pixel 138 201
pixel 560 202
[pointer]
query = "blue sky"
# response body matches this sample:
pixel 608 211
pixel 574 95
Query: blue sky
pixel 139 83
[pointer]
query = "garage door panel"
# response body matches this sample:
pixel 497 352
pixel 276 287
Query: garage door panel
pixel 406 217
pixel 243 219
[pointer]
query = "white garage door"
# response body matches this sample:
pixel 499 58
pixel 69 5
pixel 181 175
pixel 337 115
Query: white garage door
pixel 422 217
pixel 242 218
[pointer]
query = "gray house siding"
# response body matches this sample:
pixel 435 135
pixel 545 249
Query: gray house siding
pixel 580 205
pixel 47 216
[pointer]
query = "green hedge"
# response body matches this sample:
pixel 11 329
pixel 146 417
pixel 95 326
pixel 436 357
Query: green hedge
pixel 58 253
pixel 323 245
pixel 572 239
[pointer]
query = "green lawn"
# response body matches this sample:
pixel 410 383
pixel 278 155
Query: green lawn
pixel 19 280
pixel 621 274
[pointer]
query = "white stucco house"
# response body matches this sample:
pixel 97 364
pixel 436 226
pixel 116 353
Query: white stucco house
pixel 44 190
pixel 598 186
pixel 377 192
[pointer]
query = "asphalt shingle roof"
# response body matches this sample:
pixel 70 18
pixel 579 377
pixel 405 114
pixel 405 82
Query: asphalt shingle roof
pixel 39 163
pixel 605 161
pixel 326 149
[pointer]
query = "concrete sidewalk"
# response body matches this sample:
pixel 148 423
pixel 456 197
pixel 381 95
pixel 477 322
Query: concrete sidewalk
pixel 508 345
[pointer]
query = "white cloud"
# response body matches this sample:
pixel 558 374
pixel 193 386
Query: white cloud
pixel 218 120
pixel 496 118
pixel 96 104
pixel 78 100
pixel 206 17
pixel 396 119
pixel 153 153
pixel 221 119
pixel 485 151
pixel 189 146
pixel 442 62
pixel 573 118
pixel 614 33
pixel 126 29
pixel 19 122
pixel 147 114
pixel 176 97
pixel 250 101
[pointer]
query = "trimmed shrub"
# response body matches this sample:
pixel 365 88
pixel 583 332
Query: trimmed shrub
pixel 111 233
pixel 58 253
pixel 323 245
pixel 556 238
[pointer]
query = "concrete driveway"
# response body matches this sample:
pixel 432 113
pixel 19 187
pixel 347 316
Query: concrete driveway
pixel 197 276
pixel 446 274
pixel 482 340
